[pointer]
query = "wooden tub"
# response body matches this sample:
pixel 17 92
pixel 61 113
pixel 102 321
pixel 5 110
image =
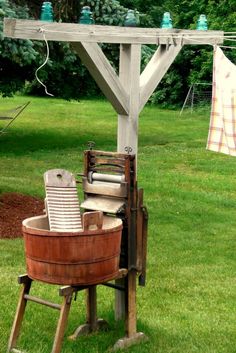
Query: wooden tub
pixel 72 258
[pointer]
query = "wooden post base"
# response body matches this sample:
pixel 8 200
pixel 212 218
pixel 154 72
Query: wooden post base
pixel 93 324
pixel 86 329
pixel 126 342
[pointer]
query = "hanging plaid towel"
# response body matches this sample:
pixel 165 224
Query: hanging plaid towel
pixel 222 130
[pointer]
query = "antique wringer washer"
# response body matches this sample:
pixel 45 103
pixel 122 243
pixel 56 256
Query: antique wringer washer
pixel 110 188
pixel 110 185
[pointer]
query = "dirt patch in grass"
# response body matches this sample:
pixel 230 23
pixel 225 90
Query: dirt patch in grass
pixel 14 208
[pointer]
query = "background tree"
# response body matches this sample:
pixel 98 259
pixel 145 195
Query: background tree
pixel 16 56
pixel 194 63
pixel 66 77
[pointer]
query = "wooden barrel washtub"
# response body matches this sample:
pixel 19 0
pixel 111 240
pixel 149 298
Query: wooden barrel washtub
pixel 72 258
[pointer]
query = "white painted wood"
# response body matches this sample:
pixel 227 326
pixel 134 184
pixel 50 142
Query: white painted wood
pixel 130 58
pixel 156 70
pixel 129 71
pixel 71 32
pixel 103 73
pixel 104 204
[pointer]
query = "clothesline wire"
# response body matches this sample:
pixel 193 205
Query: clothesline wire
pixel 221 46
pixel 174 35
pixel 181 36
pixel 230 39
pixel 202 35
pixel 227 47
pixel 43 64
pixel 169 34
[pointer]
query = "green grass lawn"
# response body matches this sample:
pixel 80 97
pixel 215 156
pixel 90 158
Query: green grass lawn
pixel 188 304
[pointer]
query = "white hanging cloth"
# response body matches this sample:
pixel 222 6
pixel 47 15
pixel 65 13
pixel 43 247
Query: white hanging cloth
pixel 222 130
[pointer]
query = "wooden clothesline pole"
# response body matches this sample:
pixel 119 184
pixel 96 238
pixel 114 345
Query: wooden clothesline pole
pixel 128 91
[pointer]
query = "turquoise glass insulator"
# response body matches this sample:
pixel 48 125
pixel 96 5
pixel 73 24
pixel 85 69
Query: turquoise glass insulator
pixel 130 19
pixel 46 12
pixel 202 23
pixel 166 21
pixel 86 16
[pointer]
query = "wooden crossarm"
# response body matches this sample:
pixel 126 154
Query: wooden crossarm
pixel 70 32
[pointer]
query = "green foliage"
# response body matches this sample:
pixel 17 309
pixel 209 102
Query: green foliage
pixel 194 63
pixel 66 77
pixel 168 93
pixel 107 12
pixel 14 67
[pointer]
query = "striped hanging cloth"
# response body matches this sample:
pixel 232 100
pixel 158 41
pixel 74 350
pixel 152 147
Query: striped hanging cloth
pixel 222 130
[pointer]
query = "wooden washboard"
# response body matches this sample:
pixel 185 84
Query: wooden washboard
pixel 62 203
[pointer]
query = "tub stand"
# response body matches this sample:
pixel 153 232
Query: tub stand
pixel 92 324
pixel 66 292
pixel 64 309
